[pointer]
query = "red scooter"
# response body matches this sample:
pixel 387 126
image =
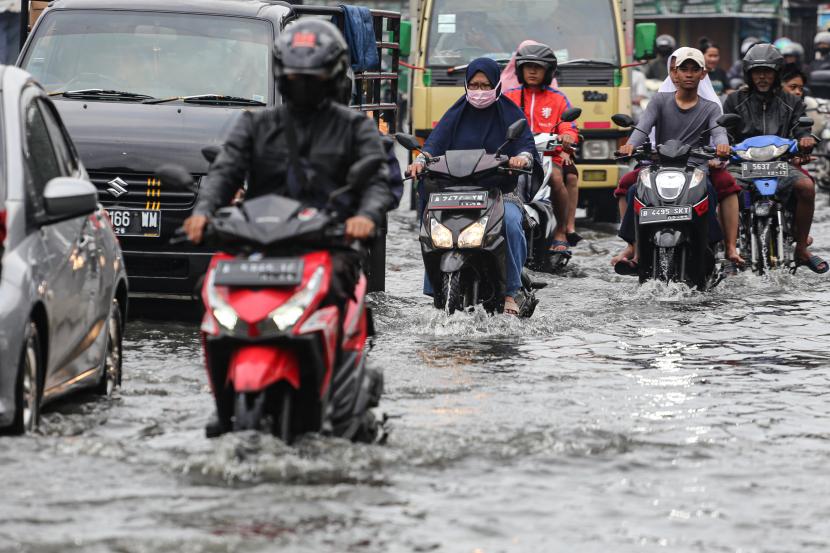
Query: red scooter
pixel 281 355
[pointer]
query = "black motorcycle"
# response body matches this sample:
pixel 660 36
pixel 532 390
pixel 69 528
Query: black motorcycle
pixel 672 211
pixel 462 238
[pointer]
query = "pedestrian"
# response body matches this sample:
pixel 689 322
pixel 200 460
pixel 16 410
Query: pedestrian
pixel 9 31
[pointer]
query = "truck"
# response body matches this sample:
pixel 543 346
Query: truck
pixel 590 40
pixel 143 83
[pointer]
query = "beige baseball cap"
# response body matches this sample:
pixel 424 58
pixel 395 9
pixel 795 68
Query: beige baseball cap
pixel 686 53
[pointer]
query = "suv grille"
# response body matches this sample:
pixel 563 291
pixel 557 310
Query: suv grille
pixel 143 191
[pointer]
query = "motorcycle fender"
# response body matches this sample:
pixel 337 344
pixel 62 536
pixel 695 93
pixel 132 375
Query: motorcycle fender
pixel 254 368
pixel 453 261
pixel 668 238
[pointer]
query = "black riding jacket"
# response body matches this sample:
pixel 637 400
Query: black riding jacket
pixel 329 139
pixel 775 113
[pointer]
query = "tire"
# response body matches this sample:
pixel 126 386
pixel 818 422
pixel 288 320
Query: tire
pixel 452 292
pixel 666 265
pixel 113 360
pixel 284 423
pixel 765 246
pixel 248 411
pixel 28 391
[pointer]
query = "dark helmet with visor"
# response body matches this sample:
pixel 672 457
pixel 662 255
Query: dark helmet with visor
pixel 540 54
pixel 762 55
pixel 311 59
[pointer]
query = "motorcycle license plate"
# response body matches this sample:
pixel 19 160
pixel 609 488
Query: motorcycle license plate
pixel 457 200
pixel 136 222
pixel 262 273
pixel 764 169
pixel 651 215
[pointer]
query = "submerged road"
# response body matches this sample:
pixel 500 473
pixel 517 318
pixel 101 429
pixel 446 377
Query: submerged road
pixel 618 419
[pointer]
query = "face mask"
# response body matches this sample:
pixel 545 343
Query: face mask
pixel 824 50
pixel 481 99
pixel 305 93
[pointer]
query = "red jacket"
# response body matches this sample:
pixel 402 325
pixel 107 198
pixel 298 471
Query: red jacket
pixel 543 110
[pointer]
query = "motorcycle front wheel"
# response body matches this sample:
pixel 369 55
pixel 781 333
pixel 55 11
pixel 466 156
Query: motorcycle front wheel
pixel 451 287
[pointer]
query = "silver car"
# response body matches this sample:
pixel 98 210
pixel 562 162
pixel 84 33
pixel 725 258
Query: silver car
pixel 63 287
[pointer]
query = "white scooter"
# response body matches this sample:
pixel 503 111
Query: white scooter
pixel 539 211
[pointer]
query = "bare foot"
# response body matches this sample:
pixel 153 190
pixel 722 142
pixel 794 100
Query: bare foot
pixel 627 255
pixel 510 306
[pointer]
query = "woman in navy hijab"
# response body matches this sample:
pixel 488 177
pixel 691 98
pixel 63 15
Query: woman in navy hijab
pixel 479 120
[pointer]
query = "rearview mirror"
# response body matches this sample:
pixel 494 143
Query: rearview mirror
pixel 622 120
pixel 516 130
pixel 729 120
pixel 805 122
pixel 210 153
pixel 571 114
pixel 408 141
pixel 645 35
pixel 175 176
pixel 66 198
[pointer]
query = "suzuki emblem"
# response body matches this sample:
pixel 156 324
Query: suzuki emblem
pixel 117 187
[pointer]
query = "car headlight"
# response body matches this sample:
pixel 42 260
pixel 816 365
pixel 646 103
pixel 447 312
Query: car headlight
pixel 287 315
pixel 670 184
pixel 599 149
pixel 441 235
pixel 224 314
pixel 645 177
pixel 472 236
pixel 763 153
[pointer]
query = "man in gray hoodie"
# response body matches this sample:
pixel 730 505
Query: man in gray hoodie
pixel 9 31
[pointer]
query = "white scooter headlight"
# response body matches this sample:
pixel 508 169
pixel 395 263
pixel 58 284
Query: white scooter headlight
pixel 224 314
pixel 763 153
pixel 645 177
pixel 287 315
pixel 670 184
pixel 441 235
pixel 473 235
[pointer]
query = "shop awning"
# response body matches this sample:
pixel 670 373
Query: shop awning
pixel 680 9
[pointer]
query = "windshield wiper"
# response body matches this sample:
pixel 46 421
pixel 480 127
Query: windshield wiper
pixel 102 94
pixel 585 61
pixel 216 99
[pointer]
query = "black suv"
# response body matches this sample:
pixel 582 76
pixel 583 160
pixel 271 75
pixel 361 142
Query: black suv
pixel 148 82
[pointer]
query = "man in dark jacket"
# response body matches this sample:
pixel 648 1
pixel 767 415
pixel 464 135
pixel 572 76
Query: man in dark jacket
pixel 767 110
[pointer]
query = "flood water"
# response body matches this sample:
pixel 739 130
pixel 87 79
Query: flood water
pixel 618 419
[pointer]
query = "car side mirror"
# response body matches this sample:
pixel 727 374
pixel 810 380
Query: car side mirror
pixel 408 141
pixel 516 130
pixel 623 120
pixel 805 122
pixel 175 176
pixel 571 114
pixel 66 198
pixel 729 120
pixel 210 153
pixel 645 35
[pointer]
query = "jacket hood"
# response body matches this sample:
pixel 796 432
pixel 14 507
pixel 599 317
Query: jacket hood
pixel 137 138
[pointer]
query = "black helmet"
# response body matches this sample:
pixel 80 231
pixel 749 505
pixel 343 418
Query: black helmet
pixel 539 54
pixel 762 55
pixel 315 51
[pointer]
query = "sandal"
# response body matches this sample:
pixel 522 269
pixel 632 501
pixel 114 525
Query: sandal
pixel 626 267
pixel 814 264
pixel 560 244
pixel 511 307
pixel 573 238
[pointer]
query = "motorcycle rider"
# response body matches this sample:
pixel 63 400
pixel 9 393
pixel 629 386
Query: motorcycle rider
pixel 479 120
pixel 685 107
pixel 821 43
pixel 543 107
pixel 766 109
pixel 658 68
pixel 303 149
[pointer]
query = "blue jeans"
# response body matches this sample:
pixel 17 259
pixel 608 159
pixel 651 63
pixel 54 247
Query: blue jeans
pixel 516 256
pixel 9 37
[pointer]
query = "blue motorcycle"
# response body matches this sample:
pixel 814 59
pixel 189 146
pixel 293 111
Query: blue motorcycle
pixel 761 165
